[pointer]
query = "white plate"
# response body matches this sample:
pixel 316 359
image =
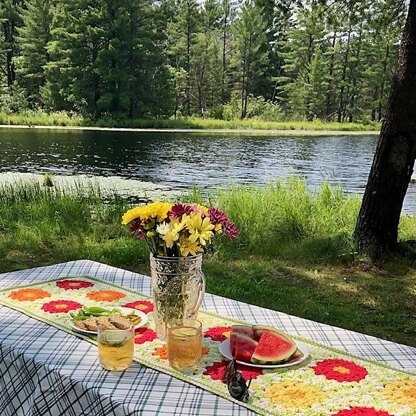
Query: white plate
pixel 124 311
pixel 225 350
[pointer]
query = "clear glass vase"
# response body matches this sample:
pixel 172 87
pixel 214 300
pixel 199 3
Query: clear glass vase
pixel 178 290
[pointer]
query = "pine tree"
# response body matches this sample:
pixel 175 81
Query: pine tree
pixel 251 58
pixel 182 33
pixel 34 36
pixel 9 22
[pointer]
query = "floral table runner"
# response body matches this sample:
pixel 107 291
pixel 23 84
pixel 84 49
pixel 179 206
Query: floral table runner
pixel 332 382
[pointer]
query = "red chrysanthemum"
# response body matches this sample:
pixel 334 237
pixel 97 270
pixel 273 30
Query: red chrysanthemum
pixel 340 370
pixel 362 411
pixel 140 305
pixel 143 335
pixel 61 306
pixel 218 333
pixel 71 284
pixel 217 371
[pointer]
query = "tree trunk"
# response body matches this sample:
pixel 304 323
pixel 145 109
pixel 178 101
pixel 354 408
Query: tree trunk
pixel 341 109
pixel 380 103
pixel 377 225
pixel 330 90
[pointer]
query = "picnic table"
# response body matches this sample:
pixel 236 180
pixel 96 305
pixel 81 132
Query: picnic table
pixel 45 371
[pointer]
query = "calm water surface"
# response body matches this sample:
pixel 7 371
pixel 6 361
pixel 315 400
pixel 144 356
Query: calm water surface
pixel 180 160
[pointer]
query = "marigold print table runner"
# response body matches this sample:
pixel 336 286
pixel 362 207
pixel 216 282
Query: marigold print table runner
pixel 332 382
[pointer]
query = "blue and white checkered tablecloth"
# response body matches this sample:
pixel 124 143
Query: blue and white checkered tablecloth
pixel 45 371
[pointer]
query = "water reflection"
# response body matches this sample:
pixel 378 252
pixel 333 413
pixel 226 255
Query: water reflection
pixel 183 160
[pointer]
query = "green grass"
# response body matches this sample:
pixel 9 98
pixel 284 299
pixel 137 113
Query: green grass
pixel 295 252
pixel 41 118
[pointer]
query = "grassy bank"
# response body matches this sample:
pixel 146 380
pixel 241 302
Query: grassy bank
pixel 294 255
pixel 63 119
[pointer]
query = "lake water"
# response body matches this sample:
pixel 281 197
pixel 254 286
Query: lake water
pixel 181 160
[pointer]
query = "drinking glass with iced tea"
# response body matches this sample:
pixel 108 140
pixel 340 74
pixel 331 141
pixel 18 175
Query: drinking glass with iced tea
pixel 116 348
pixel 184 344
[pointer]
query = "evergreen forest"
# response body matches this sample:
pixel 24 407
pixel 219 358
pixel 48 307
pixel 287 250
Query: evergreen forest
pixel 330 60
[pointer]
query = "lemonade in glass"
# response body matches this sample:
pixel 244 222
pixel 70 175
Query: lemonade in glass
pixel 116 348
pixel 184 344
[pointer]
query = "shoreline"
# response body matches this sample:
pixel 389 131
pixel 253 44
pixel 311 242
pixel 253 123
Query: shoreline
pixel 279 132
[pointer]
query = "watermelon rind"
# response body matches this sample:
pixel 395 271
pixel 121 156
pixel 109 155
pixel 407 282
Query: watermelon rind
pixel 258 331
pixel 243 329
pixel 279 356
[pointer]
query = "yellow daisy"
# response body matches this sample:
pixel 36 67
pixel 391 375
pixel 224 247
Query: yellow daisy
pixel 199 229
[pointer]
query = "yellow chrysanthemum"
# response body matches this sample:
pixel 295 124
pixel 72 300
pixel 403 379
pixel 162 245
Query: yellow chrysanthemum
pixel 294 394
pixel 199 229
pixel 202 208
pixel 131 215
pixel 170 231
pixel 402 391
pixel 188 247
pixel 156 210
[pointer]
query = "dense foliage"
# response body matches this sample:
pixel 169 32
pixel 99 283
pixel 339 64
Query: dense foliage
pixel 274 59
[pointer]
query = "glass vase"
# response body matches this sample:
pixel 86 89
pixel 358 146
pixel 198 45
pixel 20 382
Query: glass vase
pixel 178 290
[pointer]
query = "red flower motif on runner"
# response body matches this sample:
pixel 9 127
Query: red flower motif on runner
pixel 61 306
pixel 71 284
pixel 362 411
pixel 140 305
pixel 143 335
pixel 340 370
pixel 217 371
pixel 218 333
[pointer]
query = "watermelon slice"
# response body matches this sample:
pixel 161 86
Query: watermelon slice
pixel 243 329
pixel 239 329
pixel 273 349
pixel 258 331
pixel 244 347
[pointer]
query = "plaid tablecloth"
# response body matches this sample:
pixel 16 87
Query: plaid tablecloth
pixel 45 371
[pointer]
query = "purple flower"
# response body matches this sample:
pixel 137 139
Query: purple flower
pixel 178 210
pixel 136 229
pixel 217 216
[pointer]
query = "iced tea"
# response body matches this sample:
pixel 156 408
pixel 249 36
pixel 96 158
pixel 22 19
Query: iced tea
pixel 184 344
pixel 115 348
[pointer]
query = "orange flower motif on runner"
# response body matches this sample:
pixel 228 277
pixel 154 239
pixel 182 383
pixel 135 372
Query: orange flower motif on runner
pixel 29 294
pixel 143 335
pixel 218 333
pixel 162 352
pixel 340 370
pixel 217 371
pixel 105 295
pixel 140 305
pixel 294 394
pixel 71 284
pixel 402 391
pixel 362 411
pixel 61 306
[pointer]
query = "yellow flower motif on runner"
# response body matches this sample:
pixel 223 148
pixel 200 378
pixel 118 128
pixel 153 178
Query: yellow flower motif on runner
pixel 402 391
pixel 199 229
pixel 294 394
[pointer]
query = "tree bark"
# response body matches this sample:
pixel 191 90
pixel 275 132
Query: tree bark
pixel 378 220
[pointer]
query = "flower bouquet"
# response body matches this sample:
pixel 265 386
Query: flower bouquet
pixel 175 230
pixel 177 236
